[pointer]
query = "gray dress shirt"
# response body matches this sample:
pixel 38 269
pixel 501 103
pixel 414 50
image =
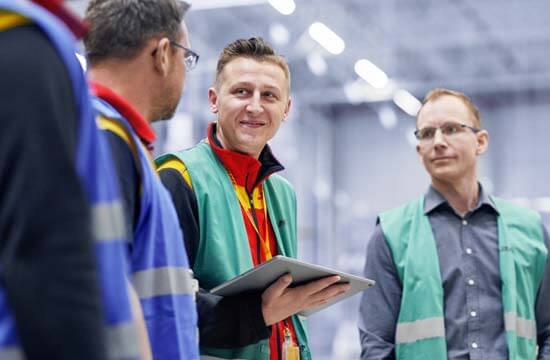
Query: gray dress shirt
pixel 467 248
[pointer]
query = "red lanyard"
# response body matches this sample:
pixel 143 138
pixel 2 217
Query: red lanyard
pixel 244 200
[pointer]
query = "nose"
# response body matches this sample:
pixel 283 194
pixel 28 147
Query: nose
pixel 439 138
pixel 254 106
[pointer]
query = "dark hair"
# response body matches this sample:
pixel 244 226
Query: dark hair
pixel 120 28
pixel 254 48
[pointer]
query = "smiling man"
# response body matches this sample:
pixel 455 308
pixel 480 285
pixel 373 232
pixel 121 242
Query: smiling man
pixel 237 213
pixel 459 274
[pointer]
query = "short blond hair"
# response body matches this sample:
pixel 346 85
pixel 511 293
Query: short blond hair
pixel 436 93
pixel 254 48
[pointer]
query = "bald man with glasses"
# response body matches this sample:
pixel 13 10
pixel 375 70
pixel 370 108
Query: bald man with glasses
pixel 460 274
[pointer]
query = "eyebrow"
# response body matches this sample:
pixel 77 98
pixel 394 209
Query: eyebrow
pixel 249 84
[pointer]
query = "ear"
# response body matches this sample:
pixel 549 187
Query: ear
pixel 213 100
pixel 287 109
pixel 482 142
pixel 162 57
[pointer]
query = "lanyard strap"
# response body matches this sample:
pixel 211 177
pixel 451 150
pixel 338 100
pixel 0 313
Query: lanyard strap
pixel 241 196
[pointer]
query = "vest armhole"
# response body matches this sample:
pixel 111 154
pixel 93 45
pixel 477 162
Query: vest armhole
pixel 119 130
pixel 178 165
pixel 10 20
pixel 116 128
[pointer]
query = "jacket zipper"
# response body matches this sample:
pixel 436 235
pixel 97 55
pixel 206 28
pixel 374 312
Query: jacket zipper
pixel 259 258
pixel 255 219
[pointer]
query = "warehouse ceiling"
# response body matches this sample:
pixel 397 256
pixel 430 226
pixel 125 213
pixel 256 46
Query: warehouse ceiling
pixel 481 47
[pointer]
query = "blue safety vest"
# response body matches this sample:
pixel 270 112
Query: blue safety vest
pixel 100 186
pixel 160 268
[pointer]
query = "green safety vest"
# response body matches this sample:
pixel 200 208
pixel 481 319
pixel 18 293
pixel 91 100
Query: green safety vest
pixel 420 332
pixel 223 251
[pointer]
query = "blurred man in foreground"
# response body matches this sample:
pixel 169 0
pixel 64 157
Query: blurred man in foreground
pixel 62 257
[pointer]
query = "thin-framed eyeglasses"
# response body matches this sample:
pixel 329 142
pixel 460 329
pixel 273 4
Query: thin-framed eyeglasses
pixel 190 58
pixel 449 128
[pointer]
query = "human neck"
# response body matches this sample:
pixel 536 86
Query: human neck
pixel 462 195
pixel 127 81
pixel 225 145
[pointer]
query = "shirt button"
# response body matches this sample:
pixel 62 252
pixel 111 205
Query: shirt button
pixel 473 314
pixel 471 282
pixel 468 251
pixel 474 345
pixel 464 222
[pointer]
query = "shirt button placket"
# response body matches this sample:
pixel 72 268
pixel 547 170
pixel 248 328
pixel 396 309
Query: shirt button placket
pixel 471 292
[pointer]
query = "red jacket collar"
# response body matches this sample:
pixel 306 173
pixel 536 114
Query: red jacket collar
pixel 136 120
pixel 246 170
pixel 78 27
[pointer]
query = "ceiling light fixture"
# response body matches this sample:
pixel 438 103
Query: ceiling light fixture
pixel 279 34
pixel 371 73
pixel 407 102
pixel 285 7
pixel 317 64
pixel 327 38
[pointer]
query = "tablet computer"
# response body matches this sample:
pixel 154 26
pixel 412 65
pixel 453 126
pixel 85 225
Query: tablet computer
pixel 260 277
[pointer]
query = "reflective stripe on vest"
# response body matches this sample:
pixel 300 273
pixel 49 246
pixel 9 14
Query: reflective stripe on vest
pixel 121 342
pixel 524 328
pixel 420 330
pixel 107 220
pixel 11 353
pixel 163 281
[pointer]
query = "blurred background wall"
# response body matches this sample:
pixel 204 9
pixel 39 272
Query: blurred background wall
pixel 348 145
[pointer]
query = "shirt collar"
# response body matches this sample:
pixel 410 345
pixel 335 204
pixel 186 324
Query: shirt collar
pixel 245 169
pixel 136 120
pixel 433 200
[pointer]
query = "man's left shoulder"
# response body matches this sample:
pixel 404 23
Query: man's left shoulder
pixel 512 208
pixel 279 180
pixel 280 185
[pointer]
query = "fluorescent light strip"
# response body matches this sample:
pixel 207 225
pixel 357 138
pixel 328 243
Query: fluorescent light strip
pixel 220 4
pixel 285 7
pixel 327 38
pixel 407 102
pixel 371 73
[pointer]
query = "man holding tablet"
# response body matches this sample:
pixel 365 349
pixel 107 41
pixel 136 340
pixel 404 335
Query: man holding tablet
pixel 237 213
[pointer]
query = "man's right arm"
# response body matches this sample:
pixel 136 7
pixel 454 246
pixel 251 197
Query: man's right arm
pixel 380 304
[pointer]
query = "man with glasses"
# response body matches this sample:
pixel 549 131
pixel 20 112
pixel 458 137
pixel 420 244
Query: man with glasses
pixel 138 53
pixel 460 274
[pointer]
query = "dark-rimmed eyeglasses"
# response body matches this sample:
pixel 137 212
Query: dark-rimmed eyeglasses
pixel 450 128
pixel 190 58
